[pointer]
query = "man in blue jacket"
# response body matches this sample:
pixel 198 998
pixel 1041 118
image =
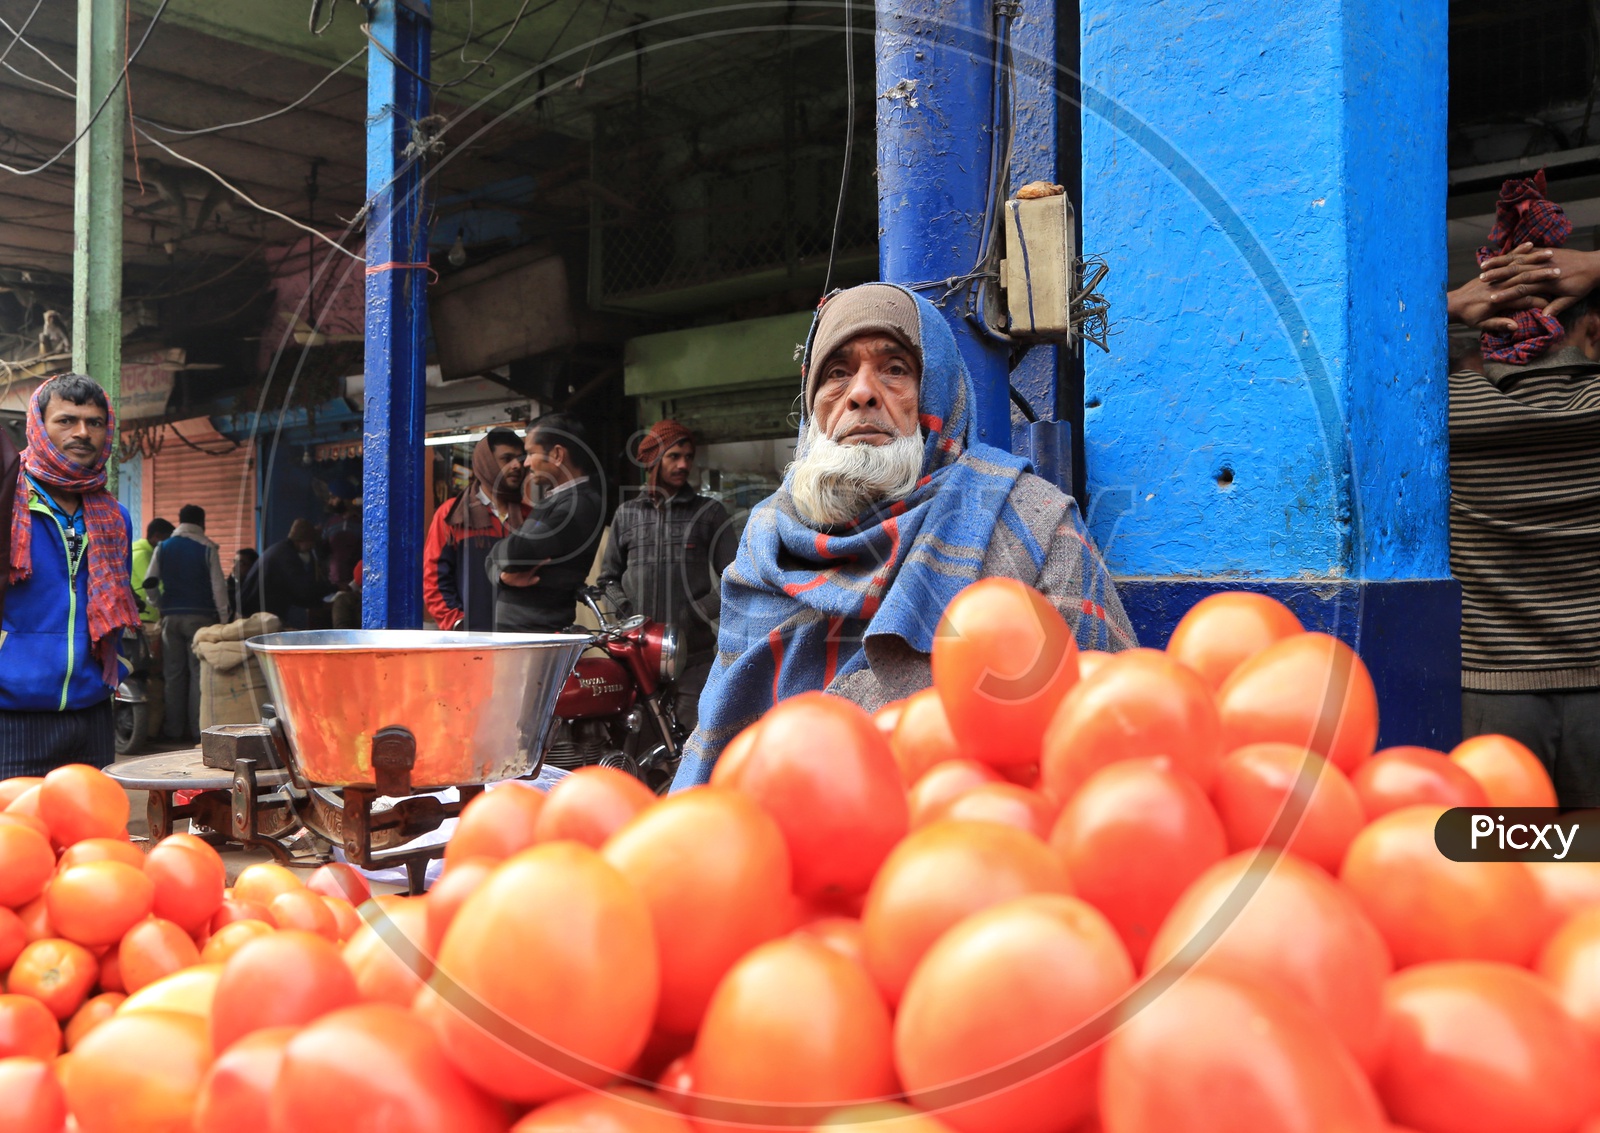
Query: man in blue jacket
pixel 185 578
pixel 69 599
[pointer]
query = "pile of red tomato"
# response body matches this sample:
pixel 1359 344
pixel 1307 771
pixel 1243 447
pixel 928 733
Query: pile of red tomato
pixel 1154 892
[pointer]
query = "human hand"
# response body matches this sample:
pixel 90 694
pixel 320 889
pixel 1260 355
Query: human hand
pixel 1473 304
pixel 1561 276
pixel 522 578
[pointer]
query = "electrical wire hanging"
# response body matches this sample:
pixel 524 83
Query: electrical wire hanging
pixel 322 82
pixel 16 34
pixel 849 139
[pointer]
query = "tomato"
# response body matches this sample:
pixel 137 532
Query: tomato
pixel 346 921
pixel 77 802
pixel 942 874
pixel 1256 787
pixel 35 918
pixel 1003 658
pixel 1132 839
pixel 922 738
pixel 622 1110
pixel 793 1024
pixel 188 991
pixel 1298 931
pixel 304 910
pixel 1002 985
pixel 590 805
pixel 1430 908
pixel 1474 1045
pixel 583 1009
pixel 1005 803
pixel 11 789
pixel 1208 1054
pixel 306 975
pixel 1413 776
pixel 237 1092
pixel 13 935
pixel 1223 631
pixel 110 978
pixel 1140 703
pixel 842 934
pixel 449 892
pixel 31 821
pixel 138 1073
pixel 342 880
pixel 1509 773
pixel 94 1011
pixel 102 850
pixel 1568 887
pixel 26 863
pixel 26 804
pixel 1090 660
pixel 1310 690
pixel 733 756
pixel 58 973
pixel 27 1028
pixel 331 1081
pixel 944 782
pixel 262 882
pixel 821 769
pixel 884 1117
pixel 230 938
pixel 389 956
pixel 1570 960
pixel 95 903
pixel 234 909
pixel 497 824
pixel 189 878
pixel 888 716
pixel 31 1100
pixel 676 1083
pixel 151 949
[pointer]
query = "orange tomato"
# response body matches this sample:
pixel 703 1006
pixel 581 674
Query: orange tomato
pixel 58 973
pixel 1256 787
pixel 1005 803
pixel 449 892
pixel 26 804
pixel 1570 960
pixel 1475 1045
pixel 78 801
pixel 1210 1053
pixel 676 1082
pixel 26 863
pixel 31 821
pixel 27 1028
pixel 622 1110
pixel 922 738
pixel 944 782
pixel 11 789
pixel 821 769
pixel 102 850
pixel 1413 776
pixel 233 909
pixel 327 1082
pixel 151 949
pixel 188 991
pixel 842 934
pixel 1141 703
pixel 1509 773
pixel 713 869
pixel 1223 631
pixel 31 1100
pixel 341 880
pixel 138 1073
pixel 35 918
pixel 95 903
pixel 1430 908
pixel 1132 839
pixel 889 1117
pixel 591 996
pixel 940 875
pixel 497 824
pixel 1310 690
pixel 346 921
pixel 304 910
pixel 237 1092
pixel 95 1010
pixel 1090 660
pixel 1568 887
pixel 1003 658
pixel 262 882
pixel 306 975
pixel 590 805
pixel 110 978
pixel 998 987
pixel 13 935
pixel 389 956
pixel 734 755
pixel 888 716
pixel 230 938
pixel 1335 965
pixel 189 878
pixel 794 1024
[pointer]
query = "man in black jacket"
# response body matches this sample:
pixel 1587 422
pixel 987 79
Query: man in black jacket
pixel 288 580
pixel 538 571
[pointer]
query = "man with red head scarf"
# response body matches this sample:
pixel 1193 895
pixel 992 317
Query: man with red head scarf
pixel 669 546
pixel 70 596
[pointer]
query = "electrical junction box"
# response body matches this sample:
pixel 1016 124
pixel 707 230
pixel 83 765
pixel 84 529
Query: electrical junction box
pixel 1038 270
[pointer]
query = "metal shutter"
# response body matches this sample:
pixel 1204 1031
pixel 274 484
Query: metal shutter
pixel 197 465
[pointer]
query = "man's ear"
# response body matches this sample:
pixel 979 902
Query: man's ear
pixel 556 455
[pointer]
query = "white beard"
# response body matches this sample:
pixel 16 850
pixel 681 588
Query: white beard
pixel 833 483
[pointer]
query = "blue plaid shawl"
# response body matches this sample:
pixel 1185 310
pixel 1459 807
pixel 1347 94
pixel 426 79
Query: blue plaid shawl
pixel 798 603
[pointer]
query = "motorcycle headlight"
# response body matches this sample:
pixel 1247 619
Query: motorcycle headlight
pixel 672 657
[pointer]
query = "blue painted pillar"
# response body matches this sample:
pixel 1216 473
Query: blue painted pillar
pixel 1267 182
pixel 935 82
pixel 397 312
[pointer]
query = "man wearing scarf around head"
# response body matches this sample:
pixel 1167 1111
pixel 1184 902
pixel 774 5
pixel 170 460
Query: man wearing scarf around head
pixel 890 508
pixel 70 598
pixel 454 588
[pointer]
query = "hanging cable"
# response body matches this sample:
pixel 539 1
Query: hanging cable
pixel 16 34
pixel 849 139
pixel 296 104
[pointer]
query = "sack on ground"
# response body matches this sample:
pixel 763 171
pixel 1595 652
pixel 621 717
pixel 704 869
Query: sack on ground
pixel 232 687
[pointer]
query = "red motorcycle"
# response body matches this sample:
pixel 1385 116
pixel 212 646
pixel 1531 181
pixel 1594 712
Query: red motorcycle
pixel 618 710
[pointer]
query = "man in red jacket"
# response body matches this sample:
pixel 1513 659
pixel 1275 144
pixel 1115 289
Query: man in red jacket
pixel 455 586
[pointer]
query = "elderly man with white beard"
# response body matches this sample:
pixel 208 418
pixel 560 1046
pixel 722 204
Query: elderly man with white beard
pixel 890 508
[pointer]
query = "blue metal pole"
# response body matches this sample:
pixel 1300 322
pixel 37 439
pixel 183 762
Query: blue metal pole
pixel 396 320
pixel 935 81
